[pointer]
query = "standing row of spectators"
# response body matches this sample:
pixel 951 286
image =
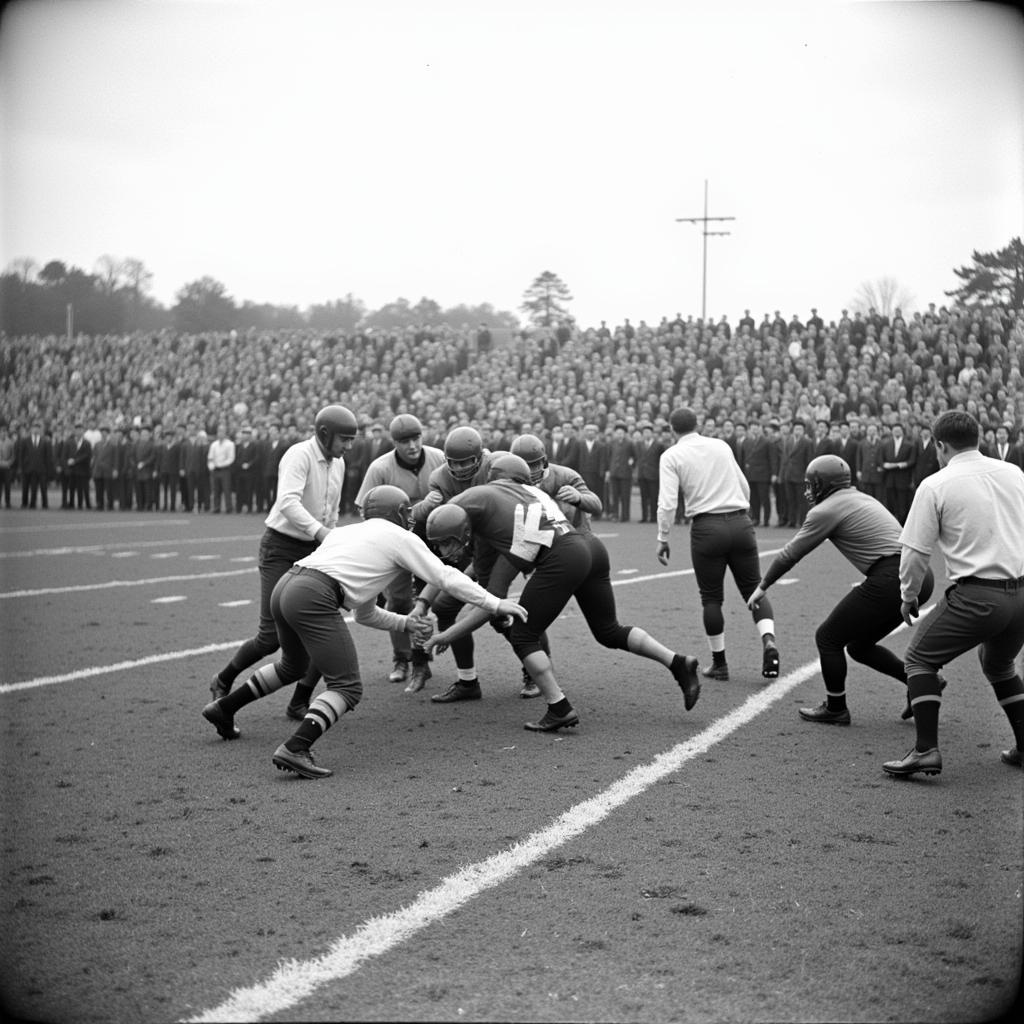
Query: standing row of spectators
pixel 155 392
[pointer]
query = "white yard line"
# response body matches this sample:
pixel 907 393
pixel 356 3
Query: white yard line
pixel 114 584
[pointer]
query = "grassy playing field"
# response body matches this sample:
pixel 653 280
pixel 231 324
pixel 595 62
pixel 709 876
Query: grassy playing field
pixel 730 863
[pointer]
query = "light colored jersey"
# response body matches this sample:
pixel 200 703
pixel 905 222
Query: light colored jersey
pixel 366 557
pixel 308 491
pixel 708 474
pixel 386 469
pixel 973 509
pixel 862 529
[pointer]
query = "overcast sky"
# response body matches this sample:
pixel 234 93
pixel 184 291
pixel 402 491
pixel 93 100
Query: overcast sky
pixel 455 149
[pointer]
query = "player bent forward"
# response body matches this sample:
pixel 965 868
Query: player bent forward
pixel 526 528
pixel 868 535
pixel 352 566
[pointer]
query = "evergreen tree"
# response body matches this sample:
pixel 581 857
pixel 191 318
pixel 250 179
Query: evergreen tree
pixel 993 277
pixel 543 302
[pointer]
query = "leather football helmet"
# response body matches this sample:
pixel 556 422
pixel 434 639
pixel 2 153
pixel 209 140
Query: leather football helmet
pixel 334 421
pixel 404 426
pixel 824 476
pixel 449 532
pixel 464 452
pixel 530 448
pixel 506 466
pixel 386 501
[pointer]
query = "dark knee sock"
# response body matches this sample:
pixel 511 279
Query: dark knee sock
pixel 305 736
pixel 925 695
pixel 1010 694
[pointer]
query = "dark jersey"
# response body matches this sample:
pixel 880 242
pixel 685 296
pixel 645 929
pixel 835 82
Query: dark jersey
pixel 442 487
pixel 516 520
pixel 557 476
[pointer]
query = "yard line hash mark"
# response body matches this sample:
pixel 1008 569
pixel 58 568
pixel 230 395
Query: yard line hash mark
pixel 112 584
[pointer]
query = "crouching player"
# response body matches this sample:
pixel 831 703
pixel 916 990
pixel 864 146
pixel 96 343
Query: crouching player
pixel 352 566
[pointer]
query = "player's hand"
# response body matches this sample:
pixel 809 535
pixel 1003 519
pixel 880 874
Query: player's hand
pixel 419 628
pixel 512 608
pixel 754 598
pixel 437 644
pixel 663 552
pixel 909 611
pixel 568 494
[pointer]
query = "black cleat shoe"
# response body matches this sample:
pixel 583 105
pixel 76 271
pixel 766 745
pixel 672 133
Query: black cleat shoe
pixel 689 683
pixel 221 721
pixel 908 711
pixel 1012 758
pixel 459 690
pixel 400 672
pixel 296 712
pixel 770 662
pixel 719 672
pixel 927 761
pixel 301 762
pixel 219 688
pixel 530 689
pixel 822 714
pixel 552 723
pixel 418 677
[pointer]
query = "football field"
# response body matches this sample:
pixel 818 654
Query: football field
pixel 732 863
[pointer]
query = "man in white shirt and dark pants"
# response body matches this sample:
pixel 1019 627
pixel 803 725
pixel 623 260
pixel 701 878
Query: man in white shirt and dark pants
pixel 717 498
pixel 973 509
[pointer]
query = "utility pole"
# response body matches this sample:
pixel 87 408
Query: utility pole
pixel 704 220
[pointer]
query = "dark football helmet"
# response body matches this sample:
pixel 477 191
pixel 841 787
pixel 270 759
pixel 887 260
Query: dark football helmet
pixel 530 448
pixel 334 422
pixel 449 532
pixel 824 476
pixel 387 502
pixel 464 452
pixel 506 466
pixel 405 426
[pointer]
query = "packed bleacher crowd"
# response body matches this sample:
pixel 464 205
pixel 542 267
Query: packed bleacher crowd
pixel 199 422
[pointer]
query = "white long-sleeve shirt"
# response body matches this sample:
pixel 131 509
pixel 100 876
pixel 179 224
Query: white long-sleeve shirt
pixel 308 491
pixel 366 557
pixel 708 475
pixel 221 453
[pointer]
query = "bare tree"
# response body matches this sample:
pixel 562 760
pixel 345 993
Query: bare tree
pixel 24 267
pixel 108 272
pixel 884 295
pixel 136 277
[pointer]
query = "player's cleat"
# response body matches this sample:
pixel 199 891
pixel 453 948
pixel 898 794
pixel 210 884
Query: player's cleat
pixel 400 672
pixel 296 712
pixel 687 678
pixel 1012 758
pixel 822 714
pixel 530 688
pixel 908 711
pixel 301 762
pixel 552 723
pixel 459 690
pixel 719 672
pixel 219 688
pixel 770 662
pixel 221 721
pixel 418 678
pixel 927 761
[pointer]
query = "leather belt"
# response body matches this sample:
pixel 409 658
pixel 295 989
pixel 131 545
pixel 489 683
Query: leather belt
pixel 979 581
pixel 305 570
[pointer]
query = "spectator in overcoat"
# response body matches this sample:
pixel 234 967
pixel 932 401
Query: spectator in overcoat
pixel 593 462
pixel 758 467
pixel 621 460
pixel 794 471
pixel 104 454
pixel 869 463
pixel 927 461
pixel 898 458
pixel 649 454
pixel 36 465
pixel 78 468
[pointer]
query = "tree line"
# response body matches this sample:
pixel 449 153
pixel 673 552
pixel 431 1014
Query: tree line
pixel 114 299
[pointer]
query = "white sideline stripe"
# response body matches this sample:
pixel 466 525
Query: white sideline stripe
pixel 111 584
pixel 90 549
pixel 296 980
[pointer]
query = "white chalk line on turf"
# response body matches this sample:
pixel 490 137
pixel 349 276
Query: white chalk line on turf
pixel 295 980
pixel 113 584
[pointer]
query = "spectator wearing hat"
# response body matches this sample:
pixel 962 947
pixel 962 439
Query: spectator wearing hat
pixel 621 460
pixel 927 461
pixel 593 462
pixel 869 463
pixel 104 454
pixel 758 464
pixel 78 464
pixel 899 454
pixel 7 467
pixel 219 459
pixel 649 449
pixel 35 462
pixel 792 473
pixel 168 463
pixel 847 449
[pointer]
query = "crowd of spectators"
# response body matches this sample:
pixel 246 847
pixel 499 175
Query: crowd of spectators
pixel 173 394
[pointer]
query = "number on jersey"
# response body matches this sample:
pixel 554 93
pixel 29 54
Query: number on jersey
pixel 532 525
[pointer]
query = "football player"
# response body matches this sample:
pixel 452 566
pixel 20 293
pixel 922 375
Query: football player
pixel 529 533
pixel 868 535
pixel 350 568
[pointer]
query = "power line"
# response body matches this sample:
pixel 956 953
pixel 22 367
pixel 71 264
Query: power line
pixel 704 233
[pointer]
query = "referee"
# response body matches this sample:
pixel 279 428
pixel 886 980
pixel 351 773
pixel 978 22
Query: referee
pixel 309 481
pixel 407 466
pixel 973 509
pixel 867 534
pixel 717 498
